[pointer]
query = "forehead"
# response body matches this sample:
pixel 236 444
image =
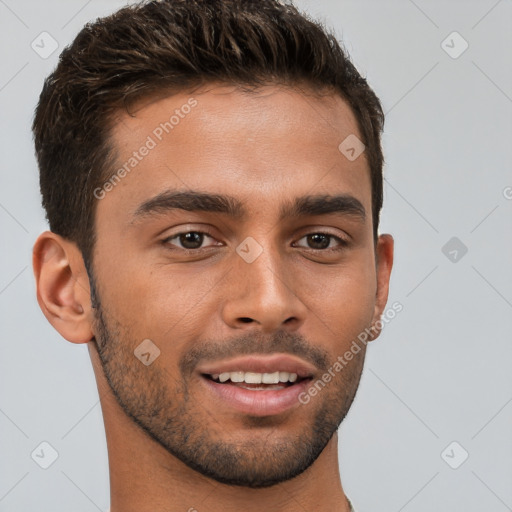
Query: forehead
pixel 260 146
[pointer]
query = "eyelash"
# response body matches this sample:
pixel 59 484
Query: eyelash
pixel 341 241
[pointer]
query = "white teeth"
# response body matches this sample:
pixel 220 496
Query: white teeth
pixel 237 376
pixel 270 378
pixel 284 376
pixel 255 378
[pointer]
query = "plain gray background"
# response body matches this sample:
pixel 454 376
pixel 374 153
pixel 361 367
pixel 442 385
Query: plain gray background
pixel 441 371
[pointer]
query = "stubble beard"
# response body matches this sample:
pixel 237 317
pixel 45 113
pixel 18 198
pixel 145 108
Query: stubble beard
pixel 161 404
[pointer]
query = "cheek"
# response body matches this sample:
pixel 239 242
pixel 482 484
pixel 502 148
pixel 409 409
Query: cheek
pixel 342 299
pixel 161 302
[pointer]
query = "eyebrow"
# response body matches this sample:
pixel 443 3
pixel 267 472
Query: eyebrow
pixel 195 201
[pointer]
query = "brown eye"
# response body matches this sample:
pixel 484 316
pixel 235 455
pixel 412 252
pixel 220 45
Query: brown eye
pixel 322 241
pixel 190 240
pixel 318 241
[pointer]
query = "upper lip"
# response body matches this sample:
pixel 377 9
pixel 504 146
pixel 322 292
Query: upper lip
pixel 260 364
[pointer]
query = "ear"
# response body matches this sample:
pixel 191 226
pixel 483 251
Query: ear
pixel 62 284
pixel 384 263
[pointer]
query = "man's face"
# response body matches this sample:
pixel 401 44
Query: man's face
pixel 257 282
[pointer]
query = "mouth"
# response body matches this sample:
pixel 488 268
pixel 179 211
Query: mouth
pixel 256 385
pixel 257 381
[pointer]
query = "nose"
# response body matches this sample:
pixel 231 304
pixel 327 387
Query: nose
pixel 262 294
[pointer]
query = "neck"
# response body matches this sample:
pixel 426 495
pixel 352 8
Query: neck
pixel 145 477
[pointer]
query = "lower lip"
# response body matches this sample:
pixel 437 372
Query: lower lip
pixel 258 403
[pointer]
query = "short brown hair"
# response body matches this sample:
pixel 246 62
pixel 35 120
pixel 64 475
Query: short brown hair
pixel 177 45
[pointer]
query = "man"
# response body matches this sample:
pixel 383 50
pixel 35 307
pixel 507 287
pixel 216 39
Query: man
pixel 212 176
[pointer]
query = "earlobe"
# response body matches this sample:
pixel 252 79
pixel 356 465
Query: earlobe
pixel 62 285
pixel 384 264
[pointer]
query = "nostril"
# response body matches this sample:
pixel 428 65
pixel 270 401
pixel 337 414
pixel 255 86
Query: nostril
pixel 246 320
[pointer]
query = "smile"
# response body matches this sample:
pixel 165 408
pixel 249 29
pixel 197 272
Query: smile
pixel 256 394
pixel 236 377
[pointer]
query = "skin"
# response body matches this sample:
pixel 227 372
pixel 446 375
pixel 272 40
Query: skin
pixel 171 445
